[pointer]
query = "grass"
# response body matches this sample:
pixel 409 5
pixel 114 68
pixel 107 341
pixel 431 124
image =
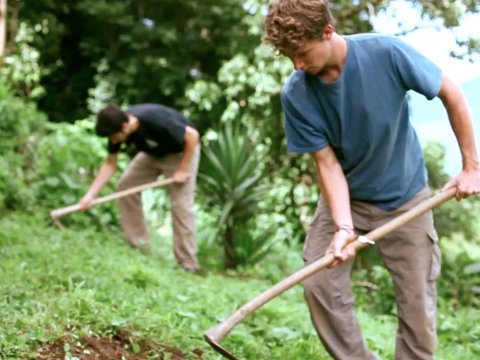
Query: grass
pixel 85 282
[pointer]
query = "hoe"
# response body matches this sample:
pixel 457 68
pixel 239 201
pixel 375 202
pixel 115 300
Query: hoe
pixel 216 334
pixel 55 214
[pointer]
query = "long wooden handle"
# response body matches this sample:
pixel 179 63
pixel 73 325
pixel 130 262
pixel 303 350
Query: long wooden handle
pixel 217 333
pixel 73 208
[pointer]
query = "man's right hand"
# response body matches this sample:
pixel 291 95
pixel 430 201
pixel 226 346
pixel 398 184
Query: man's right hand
pixel 86 202
pixel 342 247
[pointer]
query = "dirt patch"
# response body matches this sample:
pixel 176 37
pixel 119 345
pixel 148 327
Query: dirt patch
pixel 121 346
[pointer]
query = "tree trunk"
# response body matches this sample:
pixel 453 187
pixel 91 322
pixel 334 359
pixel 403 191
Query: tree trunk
pixel 229 259
pixel 3 25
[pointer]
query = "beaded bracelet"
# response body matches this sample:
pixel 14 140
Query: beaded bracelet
pixel 347 228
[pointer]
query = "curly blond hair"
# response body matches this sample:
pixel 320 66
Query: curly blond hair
pixel 290 21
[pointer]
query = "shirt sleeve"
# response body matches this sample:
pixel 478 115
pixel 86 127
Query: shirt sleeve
pixel 303 127
pixel 113 148
pixel 416 71
pixel 166 122
pixel 177 129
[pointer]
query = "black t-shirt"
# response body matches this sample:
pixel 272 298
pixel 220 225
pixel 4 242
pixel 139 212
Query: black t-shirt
pixel 161 131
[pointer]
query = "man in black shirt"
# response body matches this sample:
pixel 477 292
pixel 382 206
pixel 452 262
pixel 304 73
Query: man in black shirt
pixel 168 145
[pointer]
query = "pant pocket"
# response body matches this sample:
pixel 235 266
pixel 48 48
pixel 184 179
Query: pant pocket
pixel 319 233
pixel 436 256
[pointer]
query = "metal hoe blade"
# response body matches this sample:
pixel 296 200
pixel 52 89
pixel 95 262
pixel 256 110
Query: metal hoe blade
pixel 219 348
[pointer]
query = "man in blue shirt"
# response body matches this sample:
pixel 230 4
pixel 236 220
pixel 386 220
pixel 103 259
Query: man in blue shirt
pixel 346 104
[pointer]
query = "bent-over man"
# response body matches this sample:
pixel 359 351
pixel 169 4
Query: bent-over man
pixel 167 144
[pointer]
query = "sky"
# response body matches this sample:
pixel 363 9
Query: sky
pixel 429 118
pixel 432 40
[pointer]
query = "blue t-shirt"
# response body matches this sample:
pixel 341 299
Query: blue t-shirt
pixel 364 117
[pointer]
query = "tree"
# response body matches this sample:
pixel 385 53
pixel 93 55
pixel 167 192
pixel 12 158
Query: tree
pixel 147 50
pixel 3 25
pixel 153 50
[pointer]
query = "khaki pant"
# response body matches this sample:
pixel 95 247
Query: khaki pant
pixel 412 256
pixel 146 168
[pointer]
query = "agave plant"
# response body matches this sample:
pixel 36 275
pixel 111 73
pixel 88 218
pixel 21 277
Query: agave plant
pixel 230 178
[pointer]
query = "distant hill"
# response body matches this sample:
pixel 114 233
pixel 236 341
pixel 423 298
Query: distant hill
pixel 431 122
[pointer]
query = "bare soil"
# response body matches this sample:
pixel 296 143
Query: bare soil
pixel 121 346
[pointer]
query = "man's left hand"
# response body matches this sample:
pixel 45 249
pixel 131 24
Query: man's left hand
pixel 467 184
pixel 180 176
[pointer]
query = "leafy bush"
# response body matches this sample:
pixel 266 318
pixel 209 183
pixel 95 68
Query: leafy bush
pixel 14 192
pixel 452 217
pixel 460 271
pixel 19 122
pixel 434 154
pixel 21 69
pixel 21 125
pixel 230 175
pixel 295 193
pixel 459 217
pixel 256 239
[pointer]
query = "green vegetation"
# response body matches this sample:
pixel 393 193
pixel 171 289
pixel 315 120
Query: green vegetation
pixel 230 177
pixel 88 282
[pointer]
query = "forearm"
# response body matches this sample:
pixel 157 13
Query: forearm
pixel 336 193
pixel 334 189
pixel 461 123
pixel 463 129
pixel 190 144
pixel 104 174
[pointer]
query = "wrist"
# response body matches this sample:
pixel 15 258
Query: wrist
pixel 182 168
pixel 471 164
pixel 346 228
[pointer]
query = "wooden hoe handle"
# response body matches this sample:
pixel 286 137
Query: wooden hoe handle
pixel 216 334
pixel 55 214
